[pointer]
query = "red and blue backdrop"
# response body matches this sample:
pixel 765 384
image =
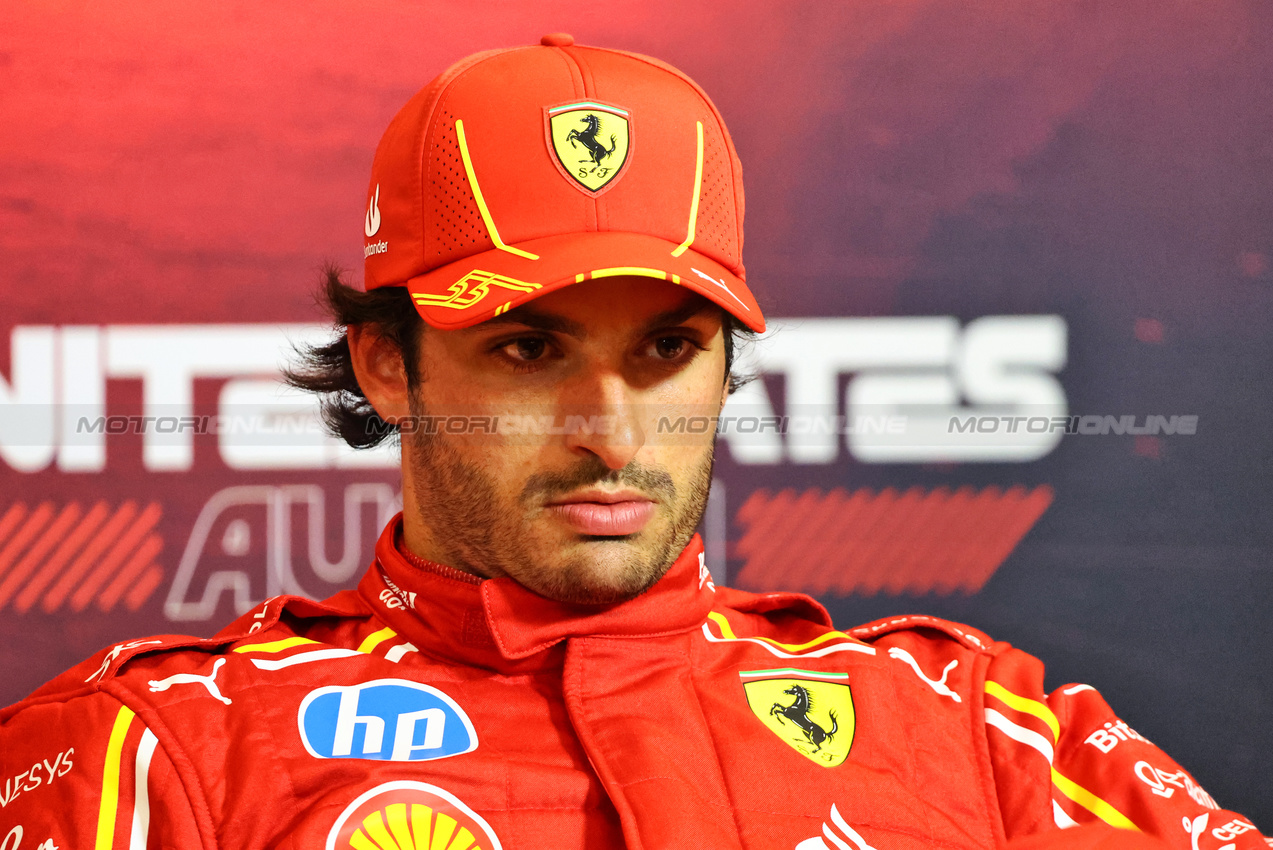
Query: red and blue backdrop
pixel 955 209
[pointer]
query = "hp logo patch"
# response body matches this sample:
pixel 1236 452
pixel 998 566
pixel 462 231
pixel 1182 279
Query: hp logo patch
pixel 384 720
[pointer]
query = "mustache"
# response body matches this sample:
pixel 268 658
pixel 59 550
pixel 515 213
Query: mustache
pixel 650 480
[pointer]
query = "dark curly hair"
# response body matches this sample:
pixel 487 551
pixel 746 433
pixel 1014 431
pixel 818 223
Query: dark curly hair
pixel 328 370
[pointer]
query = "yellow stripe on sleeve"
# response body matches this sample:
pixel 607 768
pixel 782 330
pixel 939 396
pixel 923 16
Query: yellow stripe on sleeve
pixel 110 780
pixel 728 633
pixel 1091 802
pixel 719 619
pixel 375 639
pixel 1029 706
pixel 275 646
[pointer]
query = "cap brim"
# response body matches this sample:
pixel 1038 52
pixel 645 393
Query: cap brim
pixel 482 286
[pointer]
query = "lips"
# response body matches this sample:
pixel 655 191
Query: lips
pixel 604 514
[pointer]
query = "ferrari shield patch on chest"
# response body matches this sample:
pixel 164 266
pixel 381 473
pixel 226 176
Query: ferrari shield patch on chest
pixel 811 712
pixel 591 141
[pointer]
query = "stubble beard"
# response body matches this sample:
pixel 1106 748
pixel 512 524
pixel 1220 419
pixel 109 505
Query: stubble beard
pixel 473 531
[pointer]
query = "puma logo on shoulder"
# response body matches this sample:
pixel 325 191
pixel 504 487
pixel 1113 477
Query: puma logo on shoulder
pixel 208 682
pixel 939 686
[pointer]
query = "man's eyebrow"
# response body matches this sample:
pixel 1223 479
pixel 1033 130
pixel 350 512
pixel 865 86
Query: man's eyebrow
pixel 680 315
pixel 551 322
pixel 537 321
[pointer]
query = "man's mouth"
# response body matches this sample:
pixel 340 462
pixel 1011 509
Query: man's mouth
pixel 602 513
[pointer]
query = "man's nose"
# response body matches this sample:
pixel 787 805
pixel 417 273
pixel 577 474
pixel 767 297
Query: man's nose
pixel 603 418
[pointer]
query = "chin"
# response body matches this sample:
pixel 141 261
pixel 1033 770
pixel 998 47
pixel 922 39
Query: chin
pixel 605 572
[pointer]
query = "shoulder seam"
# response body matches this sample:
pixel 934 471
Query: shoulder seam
pixel 181 764
pixel 968 636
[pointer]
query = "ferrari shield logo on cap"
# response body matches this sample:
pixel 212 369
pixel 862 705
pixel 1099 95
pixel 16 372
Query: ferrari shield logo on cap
pixel 591 142
pixel 811 712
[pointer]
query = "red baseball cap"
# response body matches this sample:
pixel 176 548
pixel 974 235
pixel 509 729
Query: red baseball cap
pixel 517 172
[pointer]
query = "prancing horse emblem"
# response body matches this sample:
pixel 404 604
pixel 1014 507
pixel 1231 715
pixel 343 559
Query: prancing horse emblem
pixel 597 151
pixel 819 723
pixel 591 141
pixel 798 713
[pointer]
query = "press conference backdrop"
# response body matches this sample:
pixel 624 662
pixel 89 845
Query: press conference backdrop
pixel 1048 224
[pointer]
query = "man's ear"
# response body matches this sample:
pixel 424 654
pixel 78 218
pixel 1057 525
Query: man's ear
pixel 380 372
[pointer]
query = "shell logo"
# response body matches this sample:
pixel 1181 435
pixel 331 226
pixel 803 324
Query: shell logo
pixel 406 815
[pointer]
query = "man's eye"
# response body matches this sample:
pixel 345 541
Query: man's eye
pixel 526 349
pixel 670 347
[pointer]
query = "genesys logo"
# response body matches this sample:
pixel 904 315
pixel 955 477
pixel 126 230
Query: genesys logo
pixel 384 720
pixel 411 816
pixel 41 773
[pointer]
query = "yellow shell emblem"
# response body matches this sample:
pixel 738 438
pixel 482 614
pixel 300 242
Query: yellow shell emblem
pixel 591 141
pixel 811 712
pixel 389 830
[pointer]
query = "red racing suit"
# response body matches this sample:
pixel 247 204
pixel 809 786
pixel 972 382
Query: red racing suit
pixel 430 709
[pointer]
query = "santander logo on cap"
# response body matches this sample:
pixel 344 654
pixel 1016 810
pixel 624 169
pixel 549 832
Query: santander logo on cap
pixel 371 226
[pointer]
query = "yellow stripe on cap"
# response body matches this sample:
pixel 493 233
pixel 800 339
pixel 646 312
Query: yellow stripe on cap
pixel 1025 705
pixel 110 780
pixel 616 271
pixel 698 185
pixel 1091 802
pixel 481 202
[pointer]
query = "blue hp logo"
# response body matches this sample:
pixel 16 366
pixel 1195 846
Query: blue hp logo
pixel 386 720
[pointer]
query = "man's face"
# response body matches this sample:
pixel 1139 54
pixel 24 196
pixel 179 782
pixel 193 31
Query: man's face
pixel 592 515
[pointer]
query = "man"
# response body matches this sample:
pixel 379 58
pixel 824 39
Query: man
pixel 538 656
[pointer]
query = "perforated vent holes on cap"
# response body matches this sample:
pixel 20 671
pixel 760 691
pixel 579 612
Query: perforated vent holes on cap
pixel 457 229
pixel 717 224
